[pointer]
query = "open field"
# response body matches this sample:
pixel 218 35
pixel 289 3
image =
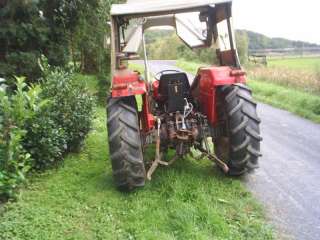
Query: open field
pixel 309 64
pixel 288 92
pixel 303 80
pixel 191 200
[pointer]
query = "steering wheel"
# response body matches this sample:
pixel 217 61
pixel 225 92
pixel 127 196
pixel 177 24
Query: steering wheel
pixel 159 74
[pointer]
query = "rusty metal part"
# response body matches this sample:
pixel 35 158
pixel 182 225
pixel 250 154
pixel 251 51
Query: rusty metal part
pixel 184 135
pixel 219 162
pixel 215 159
pixel 157 160
pixel 173 160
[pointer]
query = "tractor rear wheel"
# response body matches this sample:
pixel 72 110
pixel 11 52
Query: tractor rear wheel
pixel 239 146
pixel 125 143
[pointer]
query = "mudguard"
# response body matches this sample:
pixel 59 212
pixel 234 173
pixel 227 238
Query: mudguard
pixel 127 83
pixel 205 84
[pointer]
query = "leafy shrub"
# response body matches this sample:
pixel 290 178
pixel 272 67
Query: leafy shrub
pixel 38 125
pixel 71 106
pixel 64 122
pixel 45 140
pixel 15 110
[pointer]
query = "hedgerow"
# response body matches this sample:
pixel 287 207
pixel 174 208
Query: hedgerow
pixel 15 111
pixel 39 124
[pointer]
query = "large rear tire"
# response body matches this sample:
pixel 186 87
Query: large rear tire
pixel 125 143
pixel 239 146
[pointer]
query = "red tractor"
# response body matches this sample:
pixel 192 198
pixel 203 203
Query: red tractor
pixel 175 113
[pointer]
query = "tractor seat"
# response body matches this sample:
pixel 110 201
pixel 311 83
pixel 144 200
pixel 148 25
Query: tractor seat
pixel 173 89
pixel 170 79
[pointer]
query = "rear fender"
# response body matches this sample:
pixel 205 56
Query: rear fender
pixel 205 85
pixel 147 118
pixel 127 83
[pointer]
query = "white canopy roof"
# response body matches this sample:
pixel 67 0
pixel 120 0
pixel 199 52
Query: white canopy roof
pixel 137 7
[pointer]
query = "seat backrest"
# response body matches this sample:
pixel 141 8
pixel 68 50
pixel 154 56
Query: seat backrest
pixel 174 78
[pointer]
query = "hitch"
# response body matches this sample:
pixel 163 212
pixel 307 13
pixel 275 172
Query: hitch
pixel 213 158
pixel 158 157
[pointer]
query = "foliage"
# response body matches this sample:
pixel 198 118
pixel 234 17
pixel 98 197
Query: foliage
pixel 15 111
pixel 164 47
pixel 71 106
pixel 300 79
pixel 88 37
pixel 22 35
pixel 191 200
pixel 260 41
pixel 242 43
pixel 296 101
pixel 40 124
pixel 311 64
pixel 59 29
pixel 165 44
pixel 45 140
pixel 168 46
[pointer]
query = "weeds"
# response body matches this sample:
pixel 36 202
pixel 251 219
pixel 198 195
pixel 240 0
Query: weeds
pixel 304 80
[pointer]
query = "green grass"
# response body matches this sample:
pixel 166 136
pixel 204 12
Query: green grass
pixel 90 81
pixel 309 64
pixel 299 102
pixel 191 200
pixel 136 67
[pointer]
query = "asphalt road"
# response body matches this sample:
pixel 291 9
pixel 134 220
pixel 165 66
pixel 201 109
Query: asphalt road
pixel 288 181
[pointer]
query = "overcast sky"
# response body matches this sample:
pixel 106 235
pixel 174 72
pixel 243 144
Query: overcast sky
pixel 292 19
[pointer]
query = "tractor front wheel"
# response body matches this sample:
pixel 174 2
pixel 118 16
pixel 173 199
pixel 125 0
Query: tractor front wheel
pixel 125 143
pixel 239 146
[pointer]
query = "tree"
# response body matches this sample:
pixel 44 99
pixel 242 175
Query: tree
pixel 242 45
pixel 22 35
pixel 59 29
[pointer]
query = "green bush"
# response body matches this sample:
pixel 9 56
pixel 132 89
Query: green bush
pixel 65 121
pixel 45 140
pixel 38 125
pixel 15 111
pixel 71 106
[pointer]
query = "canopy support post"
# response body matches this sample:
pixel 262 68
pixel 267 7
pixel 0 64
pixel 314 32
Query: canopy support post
pixel 146 65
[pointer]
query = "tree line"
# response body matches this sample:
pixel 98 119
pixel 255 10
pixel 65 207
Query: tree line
pixel 65 31
pixel 165 44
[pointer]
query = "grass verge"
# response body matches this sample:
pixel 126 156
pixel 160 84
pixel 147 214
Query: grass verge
pixel 302 103
pixel 190 200
pixel 307 63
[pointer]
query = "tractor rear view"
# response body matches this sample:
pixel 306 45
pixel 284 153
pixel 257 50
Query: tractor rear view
pixel 214 113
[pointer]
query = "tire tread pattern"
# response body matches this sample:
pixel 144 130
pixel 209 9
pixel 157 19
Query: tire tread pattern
pixel 243 129
pixel 125 144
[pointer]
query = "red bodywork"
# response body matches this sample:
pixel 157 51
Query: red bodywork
pixel 205 84
pixel 127 83
pixel 147 118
